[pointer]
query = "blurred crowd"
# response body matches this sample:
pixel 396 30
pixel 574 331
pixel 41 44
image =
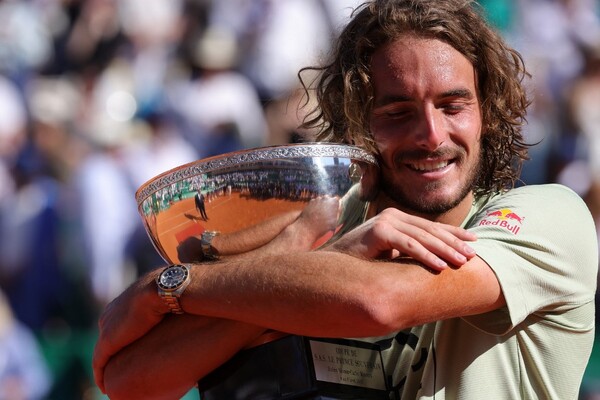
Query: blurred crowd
pixel 98 96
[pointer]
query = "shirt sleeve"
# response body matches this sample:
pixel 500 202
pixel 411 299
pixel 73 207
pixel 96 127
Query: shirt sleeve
pixel 541 243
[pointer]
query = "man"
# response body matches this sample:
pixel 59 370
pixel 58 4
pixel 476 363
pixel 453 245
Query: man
pixel 501 309
pixel 199 202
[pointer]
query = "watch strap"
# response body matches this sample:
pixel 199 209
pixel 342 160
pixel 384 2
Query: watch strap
pixel 172 302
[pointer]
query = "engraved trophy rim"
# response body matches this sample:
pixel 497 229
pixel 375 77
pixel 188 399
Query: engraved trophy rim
pixel 265 153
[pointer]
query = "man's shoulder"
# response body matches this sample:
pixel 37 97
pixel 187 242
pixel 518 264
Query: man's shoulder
pixel 535 207
pixel 543 195
pixel 548 189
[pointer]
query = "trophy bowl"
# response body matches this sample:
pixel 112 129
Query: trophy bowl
pixel 235 195
pixel 248 199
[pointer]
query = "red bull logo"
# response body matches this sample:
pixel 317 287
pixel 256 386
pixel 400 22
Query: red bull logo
pixel 504 218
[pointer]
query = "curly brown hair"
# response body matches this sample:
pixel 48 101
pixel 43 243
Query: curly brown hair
pixel 344 90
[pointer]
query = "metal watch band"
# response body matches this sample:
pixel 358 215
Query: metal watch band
pixel 206 245
pixel 173 303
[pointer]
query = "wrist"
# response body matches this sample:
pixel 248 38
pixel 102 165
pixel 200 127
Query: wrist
pixel 209 252
pixel 146 296
pixel 153 299
pixel 170 285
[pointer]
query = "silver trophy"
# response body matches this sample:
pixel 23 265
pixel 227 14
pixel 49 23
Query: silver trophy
pixel 235 195
pixel 247 199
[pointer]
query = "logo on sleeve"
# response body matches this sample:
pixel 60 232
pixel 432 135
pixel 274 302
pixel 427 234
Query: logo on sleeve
pixel 504 218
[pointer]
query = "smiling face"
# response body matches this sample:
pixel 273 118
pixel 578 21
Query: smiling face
pixel 426 121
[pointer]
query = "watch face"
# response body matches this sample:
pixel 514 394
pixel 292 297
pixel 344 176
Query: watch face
pixel 172 277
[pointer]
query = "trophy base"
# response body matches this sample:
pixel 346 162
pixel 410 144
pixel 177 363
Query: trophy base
pixel 300 368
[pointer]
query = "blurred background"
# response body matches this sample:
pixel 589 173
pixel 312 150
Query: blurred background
pixel 98 96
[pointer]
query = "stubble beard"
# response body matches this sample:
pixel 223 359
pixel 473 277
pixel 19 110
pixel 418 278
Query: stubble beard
pixel 421 205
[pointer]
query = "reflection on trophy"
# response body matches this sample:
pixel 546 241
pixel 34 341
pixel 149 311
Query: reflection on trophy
pixel 235 195
pixel 239 202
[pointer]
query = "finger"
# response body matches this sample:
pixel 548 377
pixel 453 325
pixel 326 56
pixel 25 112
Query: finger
pixel 408 240
pixel 401 217
pixel 453 251
pixel 99 379
pixel 98 364
pixel 455 238
pixel 459 232
pixel 409 246
pixel 446 241
pixel 429 248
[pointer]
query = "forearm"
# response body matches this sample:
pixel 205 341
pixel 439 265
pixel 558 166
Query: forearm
pixel 315 222
pixel 171 358
pixel 297 230
pixel 303 293
pixel 253 237
pixel 331 294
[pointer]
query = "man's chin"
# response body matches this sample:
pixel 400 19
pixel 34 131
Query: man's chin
pixel 433 202
pixel 431 207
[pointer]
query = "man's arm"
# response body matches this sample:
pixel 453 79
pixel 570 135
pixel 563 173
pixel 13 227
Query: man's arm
pixel 168 361
pixel 394 296
pixel 296 230
pixel 354 295
pixel 318 217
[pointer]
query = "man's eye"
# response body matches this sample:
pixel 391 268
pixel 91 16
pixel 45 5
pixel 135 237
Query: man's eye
pixel 396 113
pixel 453 108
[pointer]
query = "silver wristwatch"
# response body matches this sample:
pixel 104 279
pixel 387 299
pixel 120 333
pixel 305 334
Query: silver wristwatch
pixel 171 283
pixel 206 245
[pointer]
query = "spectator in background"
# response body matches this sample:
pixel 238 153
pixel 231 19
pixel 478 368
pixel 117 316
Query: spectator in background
pixel 272 50
pixel 30 227
pixel 220 106
pixel 13 124
pixel 583 113
pixel 24 39
pixel 23 371
pixel 550 34
pixel 108 219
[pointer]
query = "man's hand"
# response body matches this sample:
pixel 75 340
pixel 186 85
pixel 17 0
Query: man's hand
pixel 393 233
pixel 320 216
pixel 317 219
pixel 127 318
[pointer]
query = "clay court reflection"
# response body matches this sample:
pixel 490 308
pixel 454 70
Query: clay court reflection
pixel 242 194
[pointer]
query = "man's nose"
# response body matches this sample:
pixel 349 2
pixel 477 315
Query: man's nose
pixel 431 132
